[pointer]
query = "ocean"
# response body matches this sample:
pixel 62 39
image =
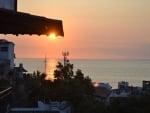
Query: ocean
pixel 102 71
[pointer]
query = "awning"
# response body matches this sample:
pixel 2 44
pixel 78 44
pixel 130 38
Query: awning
pixel 16 23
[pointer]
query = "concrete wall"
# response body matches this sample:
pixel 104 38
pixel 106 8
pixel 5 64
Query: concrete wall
pixel 7 55
pixel 9 4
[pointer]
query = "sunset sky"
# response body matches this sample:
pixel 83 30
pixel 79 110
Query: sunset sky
pixel 95 29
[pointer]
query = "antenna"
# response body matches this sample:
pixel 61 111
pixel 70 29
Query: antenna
pixel 45 62
pixel 65 54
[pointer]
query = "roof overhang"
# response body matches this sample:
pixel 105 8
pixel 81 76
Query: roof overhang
pixel 12 22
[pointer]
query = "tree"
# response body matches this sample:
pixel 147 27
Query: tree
pixel 72 87
pixel 63 72
pixel 36 87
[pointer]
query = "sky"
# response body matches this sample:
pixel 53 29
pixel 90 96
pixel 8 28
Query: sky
pixel 94 29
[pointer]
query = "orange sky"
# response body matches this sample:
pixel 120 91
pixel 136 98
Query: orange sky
pixel 98 29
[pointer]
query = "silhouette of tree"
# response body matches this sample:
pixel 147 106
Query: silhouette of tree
pixel 63 72
pixel 69 86
pixel 36 87
pixel 72 87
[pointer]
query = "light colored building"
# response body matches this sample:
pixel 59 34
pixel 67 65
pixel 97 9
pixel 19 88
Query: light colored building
pixel 123 85
pixel 105 85
pixel 8 4
pixel 102 85
pixel 53 107
pixel 6 56
pixel 118 93
pixel 102 91
pixel 7 52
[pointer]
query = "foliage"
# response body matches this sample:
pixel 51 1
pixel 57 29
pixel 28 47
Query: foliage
pixel 64 72
pixel 35 86
pixel 72 87
pixel 67 85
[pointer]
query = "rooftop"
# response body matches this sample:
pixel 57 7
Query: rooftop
pixel 5 41
pixel 12 22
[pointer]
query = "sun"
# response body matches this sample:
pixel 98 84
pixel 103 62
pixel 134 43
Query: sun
pixel 52 36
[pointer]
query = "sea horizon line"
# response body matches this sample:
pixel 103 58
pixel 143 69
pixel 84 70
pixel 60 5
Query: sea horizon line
pixel 83 58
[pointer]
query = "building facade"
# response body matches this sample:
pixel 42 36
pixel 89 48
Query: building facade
pixel 6 56
pixel 9 4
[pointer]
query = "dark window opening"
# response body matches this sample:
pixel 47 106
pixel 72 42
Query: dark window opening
pixel 4 49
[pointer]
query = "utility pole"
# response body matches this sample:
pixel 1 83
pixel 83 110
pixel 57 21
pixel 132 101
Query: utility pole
pixel 45 62
pixel 65 54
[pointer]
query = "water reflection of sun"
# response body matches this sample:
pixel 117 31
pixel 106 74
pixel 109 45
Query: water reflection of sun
pixel 50 67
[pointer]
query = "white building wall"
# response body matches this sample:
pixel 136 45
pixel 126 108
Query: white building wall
pixel 42 107
pixel 105 85
pixel 8 4
pixel 3 55
pixel 123 84
pixel 11 55
pixel 121 94
pixel 7 55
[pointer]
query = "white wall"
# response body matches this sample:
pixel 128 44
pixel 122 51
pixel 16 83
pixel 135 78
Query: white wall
pixel 8 4
pixel 11 55
pixel 8 55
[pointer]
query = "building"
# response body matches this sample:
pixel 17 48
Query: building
pixel 6 56
pixel 119 93
pixel 7 52
pixel 102 91
pixel 9 4
pixel 102 85
pixel 123 85
pixel 52 107
pixel 19 71
pixel 146 87
pixel 102 94
pixel 105 85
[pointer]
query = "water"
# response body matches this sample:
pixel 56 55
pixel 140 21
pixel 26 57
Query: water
pixel 106 71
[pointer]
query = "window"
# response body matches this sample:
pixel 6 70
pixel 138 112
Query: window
pixel 4 49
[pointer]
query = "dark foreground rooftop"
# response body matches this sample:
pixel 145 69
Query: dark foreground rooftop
pixel 12 22
pixel 33 112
